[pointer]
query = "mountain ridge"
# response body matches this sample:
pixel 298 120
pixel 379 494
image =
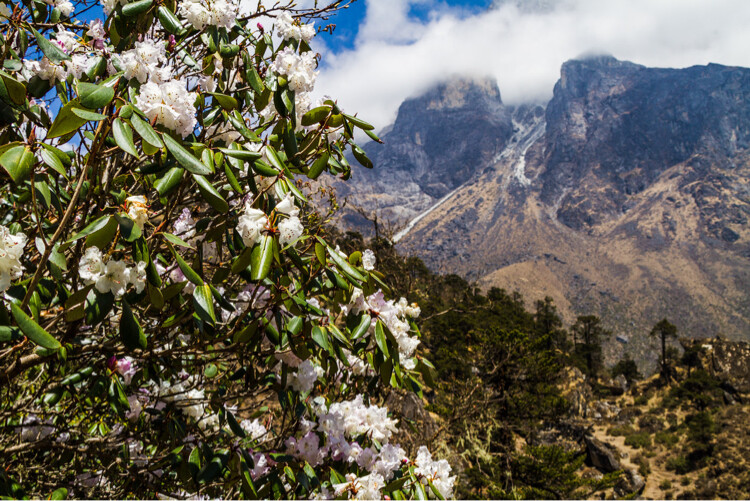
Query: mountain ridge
pixel 631 204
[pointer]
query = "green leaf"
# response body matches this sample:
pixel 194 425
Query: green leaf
pixel 16 90
pixel 18 162
pixel 315 115
pixel 204 303
pixel 380 339
pixel 170 22
pixel 185 158
pixel 243 261
pixel 124 137
pixel 94 96
pixel 318 166
pixel 254 79
pixel 88 230
pixel 320 253
pixel 212 196
pixel 88 114
pixel 249 156
pixel 135 8
pixel 320 336
pixel 342 263
pixel 144 129
pixel 359 122
pixel 361 156
pixel 234 425
pixel 49 49
pixel 364 326
pixel 128 229
pixel 227 102
pixel 273 157
pixel 262 258
pixel 32 330
pixel 59 494
pixel 8 333
pixel 177 240
pixel 169 181
pixel 131 332
pixel 53 161
pixel 66 121
pixel 189 273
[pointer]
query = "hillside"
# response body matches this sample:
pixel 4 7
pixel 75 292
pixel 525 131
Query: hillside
pixel 625 196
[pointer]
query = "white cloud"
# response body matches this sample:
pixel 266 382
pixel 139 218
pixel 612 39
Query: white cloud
pixel 397 56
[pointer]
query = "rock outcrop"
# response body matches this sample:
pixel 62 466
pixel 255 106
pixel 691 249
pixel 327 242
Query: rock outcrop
pixel 626 196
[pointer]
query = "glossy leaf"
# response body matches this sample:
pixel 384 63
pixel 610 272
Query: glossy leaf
pixel 262 257
pixel 94 96
pixel 144 129
pixel 66 121
pixel 32 330
pixel 204 303
pixel 18 162
pixel 124 136
pixel 212 196
pixel 184 157
pixel 53 52
pixel 131 332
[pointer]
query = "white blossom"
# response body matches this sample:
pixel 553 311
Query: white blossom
pixel 288 29
pixel 144 61
pixel 169 104
pixel 250 224
pixel 299 69
pixel 137 209
pixel 199 13
pixel 436 471
pixel 11 249
pixel 368 260
pixel 254 429
pixel 290 229
pixel 115 278
pixel 45 69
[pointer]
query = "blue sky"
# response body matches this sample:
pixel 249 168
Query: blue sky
pixel 348 20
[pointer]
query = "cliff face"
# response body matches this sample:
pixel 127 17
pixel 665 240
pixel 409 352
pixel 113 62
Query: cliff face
pixel 438 140
pixel 626 196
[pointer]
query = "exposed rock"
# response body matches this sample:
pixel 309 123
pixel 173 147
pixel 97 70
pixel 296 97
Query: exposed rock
pixel 632 482
pixel 631 183
pixel 600 455
pixel 621 382
pixel 727 360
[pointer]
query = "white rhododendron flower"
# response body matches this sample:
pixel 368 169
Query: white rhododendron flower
pixel 65 6
pixel 299 69
pixel 11 249
pixel 137 209
pixel 113 276
pixel 169 104
pixel 368 260
pixel 437 472
pixel 288 29
pixel 290 229
pixel 110 5
pixel 254 429
pixel 250 224
pixel 200 13
pixel 367 487
pixel 46 70
pixel 145 60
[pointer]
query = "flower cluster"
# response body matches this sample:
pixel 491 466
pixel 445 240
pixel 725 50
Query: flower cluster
pixel 251 223
pixel 137 209
pixel 290 228
pixel 65 6
pixel 114 276
pixel 145 61
pixel 437 472
pixel 394 315
pixel 299 69
pixel 185 395
pixel 200 13
pixel 11 249
pixel 288 29
pixel 169 104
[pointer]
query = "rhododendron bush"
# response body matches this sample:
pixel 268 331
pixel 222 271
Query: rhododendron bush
pixel 173 321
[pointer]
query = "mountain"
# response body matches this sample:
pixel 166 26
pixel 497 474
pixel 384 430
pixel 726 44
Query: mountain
pixel 625 196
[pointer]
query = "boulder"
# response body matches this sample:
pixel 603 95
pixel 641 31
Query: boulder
pixel 600 455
